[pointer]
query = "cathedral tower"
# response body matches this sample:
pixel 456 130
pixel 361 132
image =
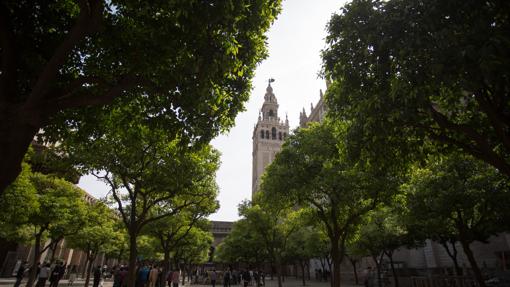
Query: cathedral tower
pixel 268 136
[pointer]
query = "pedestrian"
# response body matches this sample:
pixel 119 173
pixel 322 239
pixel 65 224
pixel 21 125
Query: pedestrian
pixel 97 276
pixel 20 273
pixel 226 278
pixel 175 278
pixel 143 276
pixel 213 276
pixel 44 273
pixel 123 276
pixel 246 278
pixel 116 276
pixel 57 274
pixel 153 276
pixel 72 275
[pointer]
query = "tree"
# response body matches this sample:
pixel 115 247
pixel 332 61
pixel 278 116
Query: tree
pixel 242 245
pixel 194 248
pixel 63 61
pixel 172 231
pixel 151 174
pixel 311 170
pixel 466 194
pixel 381 235
pixel 301 248
pixel 53 209
pixel 405 72
pixel 274 224
pixel 96 234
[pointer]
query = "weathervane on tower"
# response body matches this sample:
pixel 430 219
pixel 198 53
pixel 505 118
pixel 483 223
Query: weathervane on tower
pixel 270 81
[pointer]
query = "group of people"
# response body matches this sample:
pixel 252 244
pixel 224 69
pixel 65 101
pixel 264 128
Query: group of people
pixel 322 274
pixel 147 275
pixel 231 277
pixel 44 273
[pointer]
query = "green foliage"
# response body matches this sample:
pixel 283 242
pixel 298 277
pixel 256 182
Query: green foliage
pixel 243 244
pixel 405 72
pixel 99 231
pixel 195 247
pixel 188 65
pixel 312 171
pixel 37 204
pixel 457 194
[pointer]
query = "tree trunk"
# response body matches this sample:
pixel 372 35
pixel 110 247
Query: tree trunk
pixel 37 258
pixel 378 266
pixel 471 258
pixel 453 255
pixel 183 275
pixel 16 134
pixel 355 270
pixel 336 260
pixel 132 258
pixel 302 263
pixel 166 263
pixel 393 271
pixel 90 261
pixel 279 273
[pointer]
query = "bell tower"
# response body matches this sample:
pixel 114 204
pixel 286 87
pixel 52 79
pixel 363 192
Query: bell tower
pixel 268 136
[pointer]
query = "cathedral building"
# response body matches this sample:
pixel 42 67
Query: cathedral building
pixel 268 136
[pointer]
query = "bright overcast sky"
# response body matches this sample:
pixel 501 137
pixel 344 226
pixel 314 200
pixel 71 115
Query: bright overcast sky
pixel 294 42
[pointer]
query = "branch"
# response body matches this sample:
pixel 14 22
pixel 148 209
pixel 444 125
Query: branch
pixel 481 150
pixel 497 120
pixel 87 22
pixel 83 100
pixel 8 76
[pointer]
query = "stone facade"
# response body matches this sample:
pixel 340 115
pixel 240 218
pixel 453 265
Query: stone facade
pixel 268 136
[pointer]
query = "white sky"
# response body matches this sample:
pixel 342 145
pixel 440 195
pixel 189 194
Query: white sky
pixel 294 42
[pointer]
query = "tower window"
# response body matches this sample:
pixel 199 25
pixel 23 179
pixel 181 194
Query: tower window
pixel 273 133
pixel 262 134
pixel 267 134
pixel 271 113
pixel 284 135
pixel 280 135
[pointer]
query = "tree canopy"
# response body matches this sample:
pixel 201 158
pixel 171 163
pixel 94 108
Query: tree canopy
pixel 311 170
pixel 408 71
pixel 189 62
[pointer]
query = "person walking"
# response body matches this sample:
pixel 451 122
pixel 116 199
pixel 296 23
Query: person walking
pixel 123 276
pixel 226 278
pixel 72 275
pixel 246 278
pixel 44 273
pixel 20 273
pixel 213 276
pixel 153 276
pixel 175 278
pixel 57 274
pixel 97 276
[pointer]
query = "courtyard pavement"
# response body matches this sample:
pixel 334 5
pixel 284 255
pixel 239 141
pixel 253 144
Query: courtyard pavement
pixel 289 282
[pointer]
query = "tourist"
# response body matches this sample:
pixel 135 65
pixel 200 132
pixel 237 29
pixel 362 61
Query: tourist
pixel 123 276
pixel 153 276
pixel 57 274
pixel 97 276
pixel 20 273
pixel 213 276
pixel 175 278
pixel 246 278
pixel 72 274
pixel 116 276
pixel 226 278
pixel 143 276
pixel 44 273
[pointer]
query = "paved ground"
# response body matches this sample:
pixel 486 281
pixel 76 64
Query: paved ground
pixel 289 282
